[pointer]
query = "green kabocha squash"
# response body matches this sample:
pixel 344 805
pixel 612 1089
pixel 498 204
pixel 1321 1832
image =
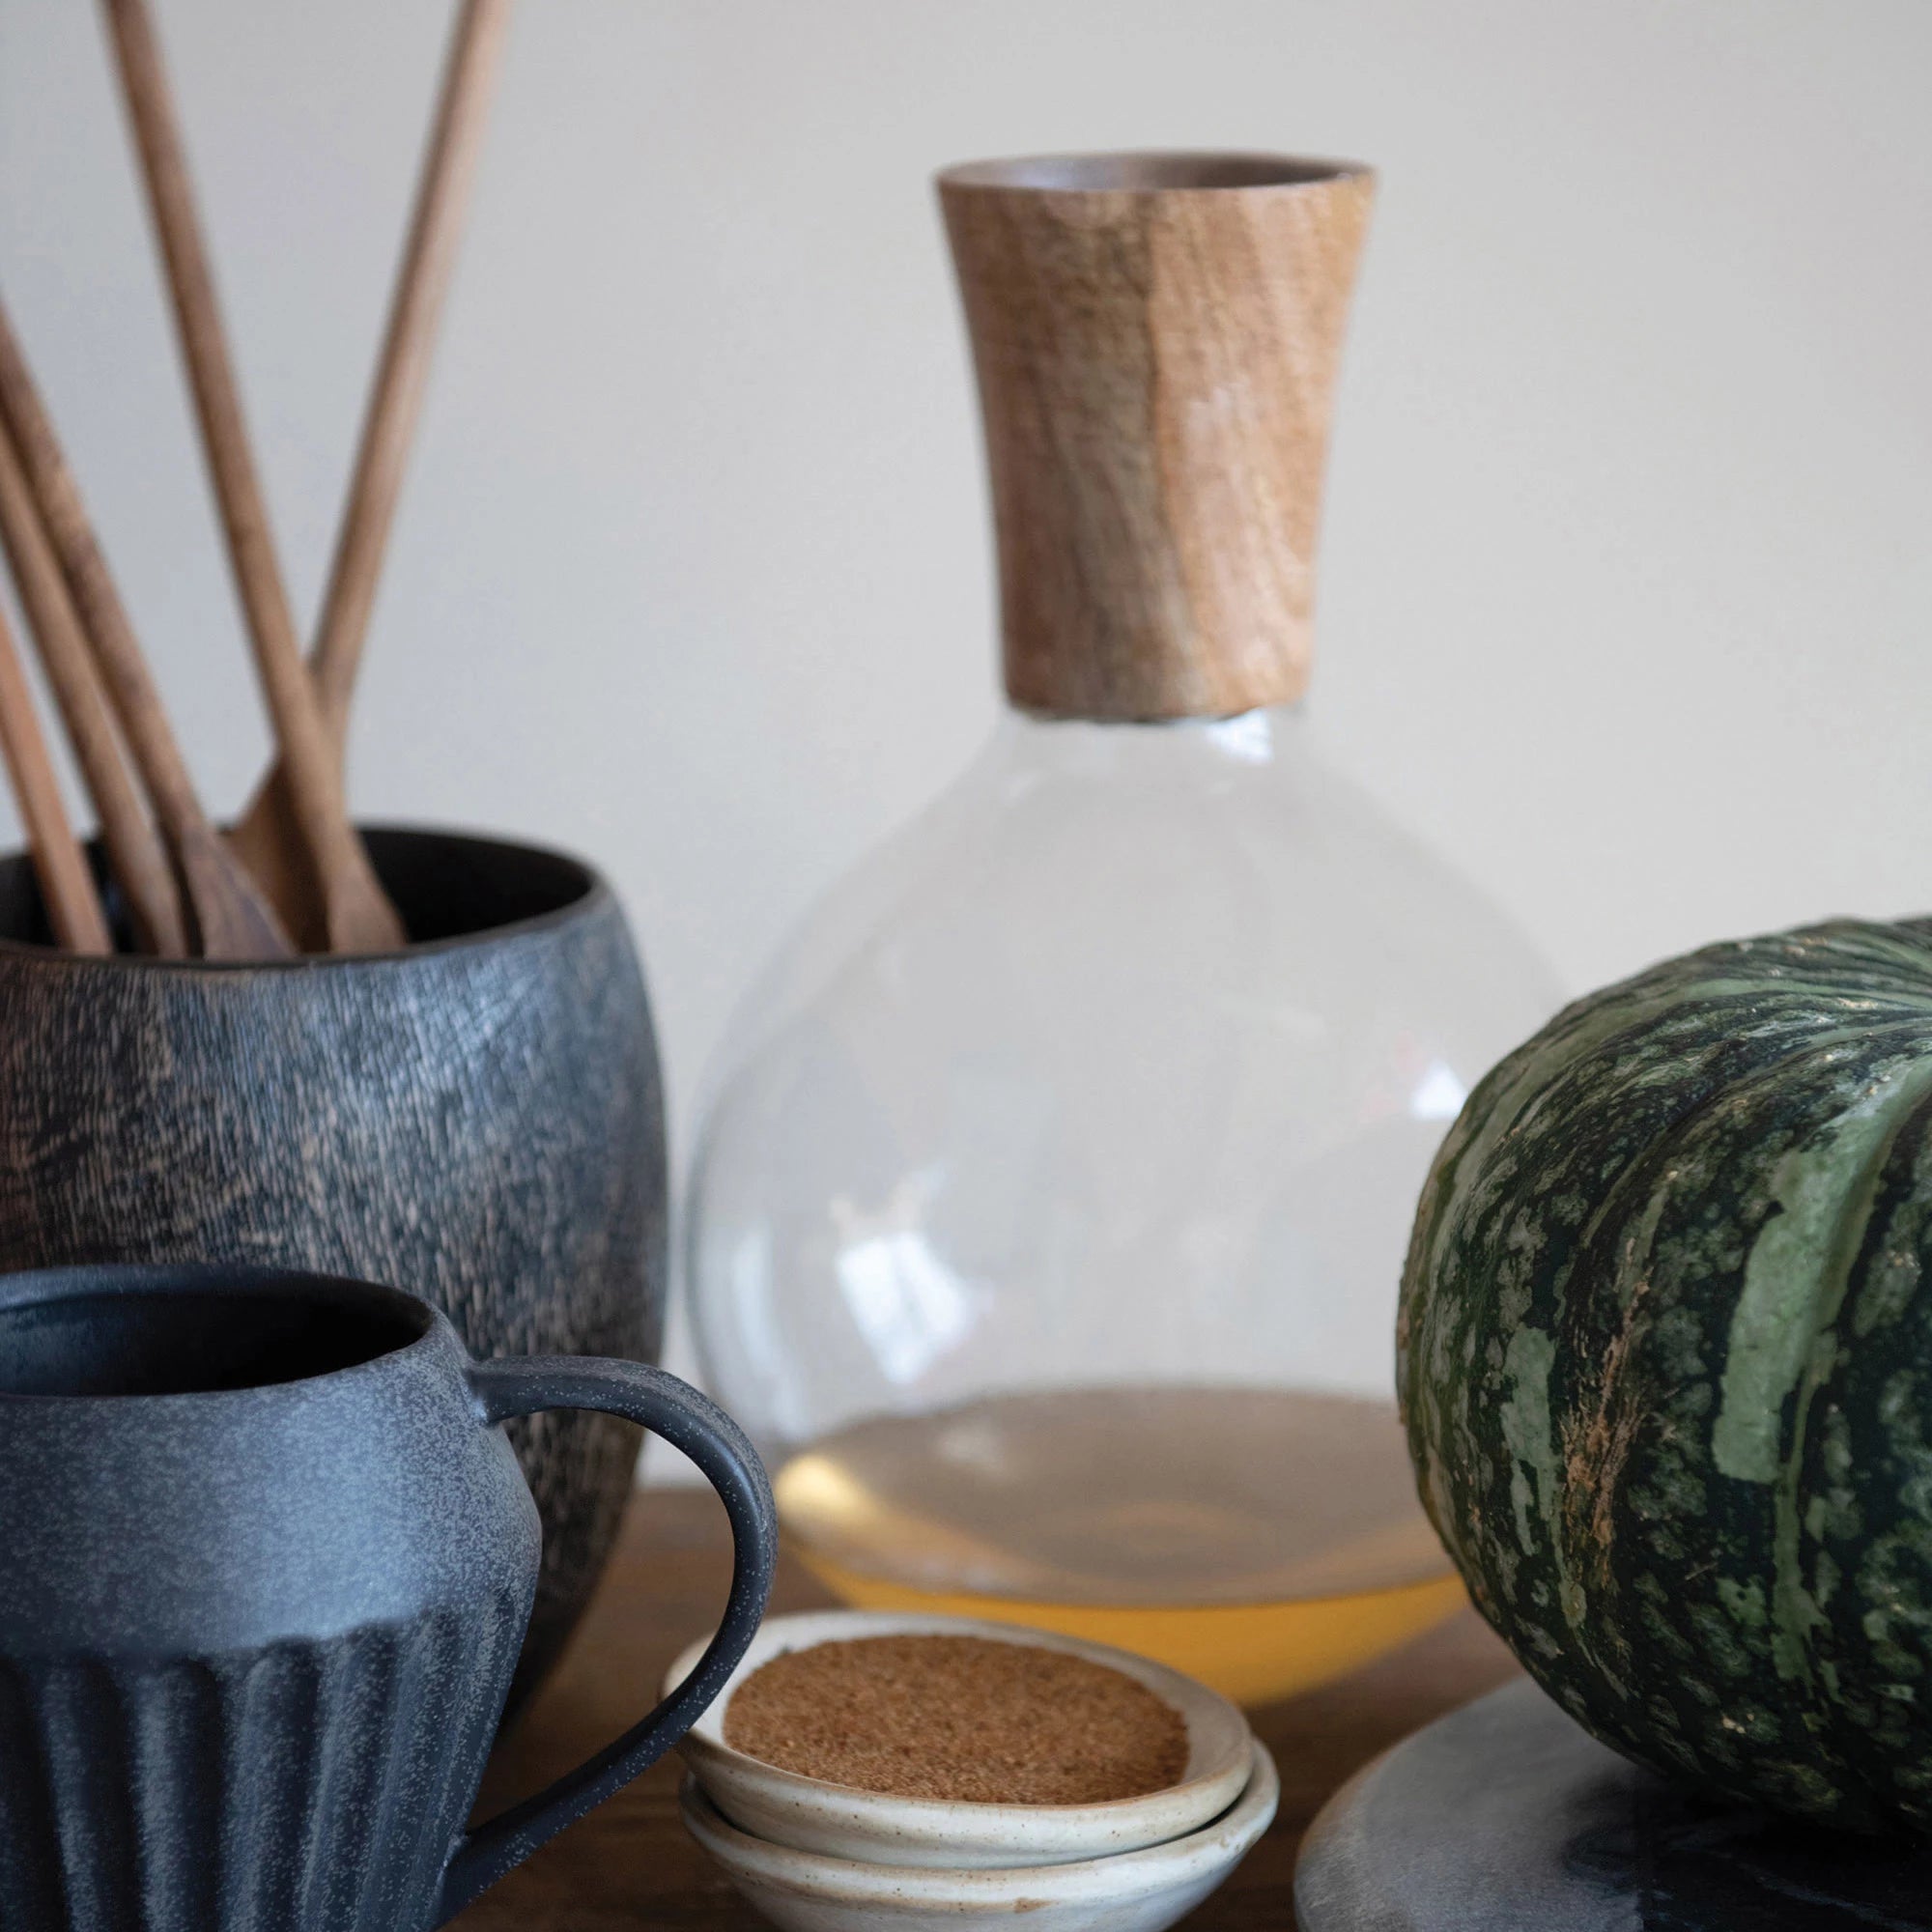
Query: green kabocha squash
pixel 1665 1363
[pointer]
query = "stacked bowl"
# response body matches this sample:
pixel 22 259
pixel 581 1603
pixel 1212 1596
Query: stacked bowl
pixel 816 1856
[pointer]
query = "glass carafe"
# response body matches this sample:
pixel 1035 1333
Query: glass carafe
pixel 1049 1205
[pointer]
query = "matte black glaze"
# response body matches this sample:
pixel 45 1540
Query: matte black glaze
pixel 257 1624
pixel 1506 1816
pixel 478 1118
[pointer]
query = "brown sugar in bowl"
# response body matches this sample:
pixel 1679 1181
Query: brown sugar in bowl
pixel 961 1719
pixel 1103 1720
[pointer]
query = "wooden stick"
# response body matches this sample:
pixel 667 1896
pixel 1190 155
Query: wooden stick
pixel 402 375
pixel 67 885
pixel 266 835
pixel 355 914
pixel 230 918
pixel 135 853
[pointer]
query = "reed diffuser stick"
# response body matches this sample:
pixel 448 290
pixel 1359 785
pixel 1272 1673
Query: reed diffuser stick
pixel 67 885
pixel 266 834
pixel 402 375
pixel 354 914
pixel 229 918
pixel 136 854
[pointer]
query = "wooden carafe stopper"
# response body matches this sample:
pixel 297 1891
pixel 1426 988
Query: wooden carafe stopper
pixel 1156 338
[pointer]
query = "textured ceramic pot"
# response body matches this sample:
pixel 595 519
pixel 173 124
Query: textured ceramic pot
pixel 269 1563
pixel 477 1117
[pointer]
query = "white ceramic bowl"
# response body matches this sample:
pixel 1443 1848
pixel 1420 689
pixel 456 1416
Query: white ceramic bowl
pixel 841 1821
pixel 1131 1891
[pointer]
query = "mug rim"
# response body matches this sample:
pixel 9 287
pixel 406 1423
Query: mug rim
pixel 593 892
pixel 240 1280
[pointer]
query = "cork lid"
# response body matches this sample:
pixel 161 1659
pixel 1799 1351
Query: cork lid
pixel 1156 338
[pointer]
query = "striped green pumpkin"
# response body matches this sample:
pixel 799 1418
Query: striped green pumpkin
pixel 1665 1363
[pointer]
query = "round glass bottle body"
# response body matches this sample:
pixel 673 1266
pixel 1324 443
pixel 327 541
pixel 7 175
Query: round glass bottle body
pixel 1047 1216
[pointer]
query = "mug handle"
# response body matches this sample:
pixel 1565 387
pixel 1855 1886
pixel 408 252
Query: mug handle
pixel 677 1412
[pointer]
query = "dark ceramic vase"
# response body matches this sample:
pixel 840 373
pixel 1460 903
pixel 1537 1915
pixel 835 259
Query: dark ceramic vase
pixel 477 1117
pixel 268 1562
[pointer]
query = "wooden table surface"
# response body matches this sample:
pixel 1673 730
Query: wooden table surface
pixel 631 1864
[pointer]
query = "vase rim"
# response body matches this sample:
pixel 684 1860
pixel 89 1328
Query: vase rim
pixel 1152 171
pixel 585 892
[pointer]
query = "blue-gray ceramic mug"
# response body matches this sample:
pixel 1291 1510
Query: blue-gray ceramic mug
pixel 266 1561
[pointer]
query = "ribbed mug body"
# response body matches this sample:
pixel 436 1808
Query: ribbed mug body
pixel 254 1641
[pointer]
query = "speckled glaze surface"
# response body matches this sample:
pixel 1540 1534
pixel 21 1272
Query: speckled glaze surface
pixel 477 1119
pixel 811 1815
pixel 1667 1365
pixel 269 1563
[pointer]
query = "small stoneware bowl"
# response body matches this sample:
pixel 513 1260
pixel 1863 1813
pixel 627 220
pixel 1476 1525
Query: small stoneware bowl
pixel 1131 1891
pixel 840 1822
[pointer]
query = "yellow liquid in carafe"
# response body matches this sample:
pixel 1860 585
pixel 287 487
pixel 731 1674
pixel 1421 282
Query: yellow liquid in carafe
pixel 1264 1540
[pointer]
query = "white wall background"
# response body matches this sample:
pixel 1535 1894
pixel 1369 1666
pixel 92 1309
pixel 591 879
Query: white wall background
pixel 1627 586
